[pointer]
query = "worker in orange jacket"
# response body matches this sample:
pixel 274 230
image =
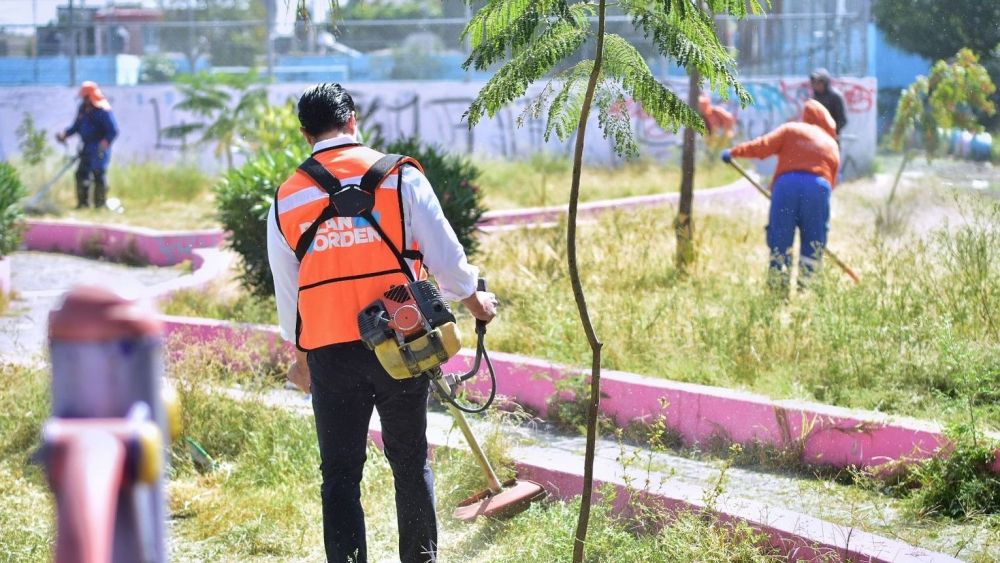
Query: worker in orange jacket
pixel 718 121
pixel 808 160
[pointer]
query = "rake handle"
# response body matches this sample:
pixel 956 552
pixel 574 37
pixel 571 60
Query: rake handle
pixel 829 253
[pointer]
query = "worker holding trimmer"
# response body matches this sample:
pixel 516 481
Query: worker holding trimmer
pixel 97 128
pixel 328 264
pixel 808 159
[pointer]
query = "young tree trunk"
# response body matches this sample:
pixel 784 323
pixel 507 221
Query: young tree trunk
pixel 895 182
pixel 581 302
pixel 684 224
pixel 899 175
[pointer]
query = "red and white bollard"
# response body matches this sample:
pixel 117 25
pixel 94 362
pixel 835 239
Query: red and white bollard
pixel 105 446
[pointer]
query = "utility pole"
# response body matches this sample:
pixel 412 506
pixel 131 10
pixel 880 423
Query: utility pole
pixel 34 40
pixel 270 8
pixel 72 45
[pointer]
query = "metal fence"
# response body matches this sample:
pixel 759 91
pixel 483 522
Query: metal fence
pixel 129 46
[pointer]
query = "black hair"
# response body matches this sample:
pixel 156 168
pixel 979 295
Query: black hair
pixel 324 108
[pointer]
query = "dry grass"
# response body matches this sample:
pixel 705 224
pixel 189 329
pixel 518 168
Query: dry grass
pixel 545 180
pixel 261 503
pixel 151 194
pixel 918 337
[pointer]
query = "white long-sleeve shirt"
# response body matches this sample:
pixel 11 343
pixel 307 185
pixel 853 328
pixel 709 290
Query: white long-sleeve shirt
pixel 425 223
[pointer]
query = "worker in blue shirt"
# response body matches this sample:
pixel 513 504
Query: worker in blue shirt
pixel 97 129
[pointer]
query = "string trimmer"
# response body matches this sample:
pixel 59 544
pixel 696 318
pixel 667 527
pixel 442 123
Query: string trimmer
pixel 413 333
pixel 829 253
pixel 34 203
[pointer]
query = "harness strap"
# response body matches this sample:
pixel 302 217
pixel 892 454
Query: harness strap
pixel 355 202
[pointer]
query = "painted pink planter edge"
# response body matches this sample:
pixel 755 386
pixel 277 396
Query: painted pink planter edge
pixel 799 536
pixel 534 215
pixel 160 248
pixel 828 435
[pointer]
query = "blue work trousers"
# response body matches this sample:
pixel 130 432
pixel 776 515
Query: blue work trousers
pixel 798 200
pixel 348 382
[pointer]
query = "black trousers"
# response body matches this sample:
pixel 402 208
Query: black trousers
pixel 84 173
pixel 347 384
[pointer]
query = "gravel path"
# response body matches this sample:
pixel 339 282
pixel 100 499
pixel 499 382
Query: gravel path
pixel 40 279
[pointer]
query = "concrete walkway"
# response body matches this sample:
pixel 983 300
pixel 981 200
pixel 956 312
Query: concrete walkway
pixel 40 279
pixel 846 505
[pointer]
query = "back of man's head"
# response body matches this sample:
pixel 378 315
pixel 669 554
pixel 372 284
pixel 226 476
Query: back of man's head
pixel 325 108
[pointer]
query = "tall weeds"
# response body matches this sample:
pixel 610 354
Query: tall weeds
pixel 916 338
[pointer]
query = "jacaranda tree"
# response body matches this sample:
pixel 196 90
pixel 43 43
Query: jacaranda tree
pixel 555 41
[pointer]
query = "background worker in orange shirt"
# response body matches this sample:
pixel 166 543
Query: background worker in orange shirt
pixel 717 119
pixel 808 159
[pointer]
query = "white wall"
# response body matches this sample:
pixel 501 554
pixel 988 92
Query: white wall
pixel 433 111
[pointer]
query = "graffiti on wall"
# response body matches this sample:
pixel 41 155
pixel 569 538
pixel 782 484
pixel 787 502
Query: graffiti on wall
pixel 433 111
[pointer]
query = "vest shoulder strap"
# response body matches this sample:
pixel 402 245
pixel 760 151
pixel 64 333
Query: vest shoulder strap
pixel 382 167
pixel 357 203
pixel 328 182
pixel 312 168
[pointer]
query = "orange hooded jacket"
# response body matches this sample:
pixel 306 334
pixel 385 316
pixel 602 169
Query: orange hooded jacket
pixel 718 120
pixel 809 145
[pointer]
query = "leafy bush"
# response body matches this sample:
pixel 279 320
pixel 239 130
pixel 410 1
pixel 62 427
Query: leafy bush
pixel 244 195
pixel 453 178
pixel 32 141
pixel 227 104
pixel 11 193
pixel 156 69
pixel 243 198
pixel 959 483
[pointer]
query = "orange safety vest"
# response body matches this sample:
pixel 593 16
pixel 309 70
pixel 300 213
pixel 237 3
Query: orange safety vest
pixel 348 233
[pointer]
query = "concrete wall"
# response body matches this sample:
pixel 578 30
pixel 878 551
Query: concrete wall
pixel 432 110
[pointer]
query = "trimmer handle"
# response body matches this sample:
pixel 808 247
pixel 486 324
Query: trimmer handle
pixel 481 325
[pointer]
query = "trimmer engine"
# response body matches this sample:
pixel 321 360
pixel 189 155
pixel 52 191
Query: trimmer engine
pixel 411 329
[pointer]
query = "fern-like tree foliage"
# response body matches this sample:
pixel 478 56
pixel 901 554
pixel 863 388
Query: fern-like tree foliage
pixel 550 41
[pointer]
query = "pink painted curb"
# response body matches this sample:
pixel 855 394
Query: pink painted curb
pixel 798 536
pixel 535 215
pixel 159 248
pixel 828 435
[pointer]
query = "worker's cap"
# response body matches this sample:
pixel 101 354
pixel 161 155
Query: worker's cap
pixel 820 74
pixel 89 90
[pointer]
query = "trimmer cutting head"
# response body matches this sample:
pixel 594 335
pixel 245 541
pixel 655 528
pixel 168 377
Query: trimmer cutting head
pixel 514 499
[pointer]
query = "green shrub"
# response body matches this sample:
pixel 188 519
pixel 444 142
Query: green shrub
pixel 32 141
pixel 244 195
pixel 959 483
pixel 156 69
pixel 11 193
pixel 453 177
pixel 243 198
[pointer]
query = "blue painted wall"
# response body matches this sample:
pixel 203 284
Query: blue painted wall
pixel 894 67
pixel 20 71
